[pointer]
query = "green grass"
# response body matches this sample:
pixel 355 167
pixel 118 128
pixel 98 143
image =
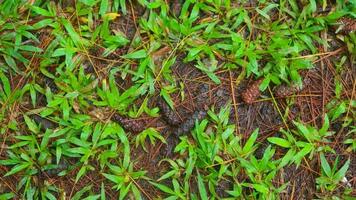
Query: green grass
pixel 61 61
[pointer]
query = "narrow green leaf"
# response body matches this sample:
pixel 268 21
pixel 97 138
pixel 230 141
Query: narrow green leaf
pixel 163 188
pixel 125 142
pixel 167 98
pixel 6 84
pixel 342 172
pixel 260 188
pixel 136 54
pixel 103 7
pixel 31 125
pixel 287 158
pixel 325 165
pixel 78 41
pixel 41 11
pixel 81 172
pixel 279 141
pixel 201 187
pixel 325 126
pixel 102 192
pixel 249 144
pixel 30 48
pixel 17 168
pixel 338 111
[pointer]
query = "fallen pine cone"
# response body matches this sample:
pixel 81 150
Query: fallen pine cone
pixel 131 125
pixel 189 124
pixel 285 90
pixel 170 116
pixel 252 92
pixel 347 25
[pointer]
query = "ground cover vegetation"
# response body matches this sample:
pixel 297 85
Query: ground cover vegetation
pixel 173 99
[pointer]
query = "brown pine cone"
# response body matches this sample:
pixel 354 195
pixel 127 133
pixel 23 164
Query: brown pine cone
pixel 347 25
pixel 131 125
pixel 252 92
pixel 170 116
pixel 285 90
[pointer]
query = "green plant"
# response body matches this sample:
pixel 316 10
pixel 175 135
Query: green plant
pixel 305 140
pixel 261 174
pixel 152 134
pixel 125 179
pixel 31 156
pixel 331 176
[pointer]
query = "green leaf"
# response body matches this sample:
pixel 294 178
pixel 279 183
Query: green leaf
pixel 308 41
pixel 5 84
pixel 102 192
pixel 125 142
pixel 303 129
pixel 228 132
pixel 265 83
pixel 213 77
pixel 342 172
pixel 81 172
pixel 43 23
pixel 33 95
pixel 59 52
pixel 136 54
pixel 300 155
pixel 163 188
pixel 136 192
pixel 208 71
pixel 17 168
pixel 287 158
pixel 265 10
pixel 312 5
pixel 264 14
pixel 7 196
pixel 89 2
pixel 201 187
pixel 113 178
pixel 325 126
pixel 103 7
pixel 124 190
pixel 41 11
pixel 279 141
pixel 167 98
pixel 96 134
pixel 123 6
pixel 250 142
pixel 66 109
pixel 338 111
pixel 167 175
pixel 31 125
pixel 78 41
pixel 325 165
pixel 193 52
pixel 260 188
pixel 11 62
pixel 80 193
pixel 30 48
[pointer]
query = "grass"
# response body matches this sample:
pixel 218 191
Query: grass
pixel 101 99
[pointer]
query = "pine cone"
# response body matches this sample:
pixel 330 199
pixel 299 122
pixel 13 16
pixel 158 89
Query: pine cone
pixel 170 116
pixel 252 92
pixel 131 125
pixel 285 90
pixel 348 25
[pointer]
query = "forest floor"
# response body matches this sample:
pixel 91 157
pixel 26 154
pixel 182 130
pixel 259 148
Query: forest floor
pixel 174 99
